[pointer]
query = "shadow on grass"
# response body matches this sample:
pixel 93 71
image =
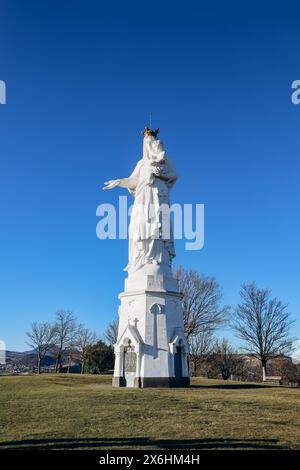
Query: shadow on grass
pixel 229 386
pixel 140 442
pixel 242 386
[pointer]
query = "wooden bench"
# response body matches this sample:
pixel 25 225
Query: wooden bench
pixel 273 379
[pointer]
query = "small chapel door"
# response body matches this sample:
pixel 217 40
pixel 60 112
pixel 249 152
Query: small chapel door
pixel 178 363
pixel 129 365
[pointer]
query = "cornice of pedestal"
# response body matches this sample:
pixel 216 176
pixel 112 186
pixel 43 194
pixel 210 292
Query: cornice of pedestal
pixel 158 293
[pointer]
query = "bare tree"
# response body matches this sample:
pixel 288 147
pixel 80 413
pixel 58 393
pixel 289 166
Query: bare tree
pixel 84 339
pixel 111 333
pixel 41 340
pixel 225 358
pixel 65 326
pixel 71 349
pixel 200 346
pixel 263 324
pixel 201 302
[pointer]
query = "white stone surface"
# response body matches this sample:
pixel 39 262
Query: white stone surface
pixel 152 322
pixel 150 312
pixel 149 239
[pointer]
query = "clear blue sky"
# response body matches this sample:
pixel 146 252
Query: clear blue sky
pixel 81 79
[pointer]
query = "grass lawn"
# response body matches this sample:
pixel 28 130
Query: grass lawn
pixel 74 412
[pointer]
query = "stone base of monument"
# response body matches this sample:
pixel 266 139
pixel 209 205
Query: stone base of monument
pixel 151 382
pixel 151 350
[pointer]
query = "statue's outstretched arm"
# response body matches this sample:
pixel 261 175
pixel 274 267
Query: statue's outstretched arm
pixel 111 184
pixel 128 183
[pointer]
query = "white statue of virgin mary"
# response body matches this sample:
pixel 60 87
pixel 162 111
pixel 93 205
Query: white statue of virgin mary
pixel 150 241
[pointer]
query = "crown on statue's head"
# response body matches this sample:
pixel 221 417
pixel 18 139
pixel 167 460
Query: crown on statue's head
pixel 148 131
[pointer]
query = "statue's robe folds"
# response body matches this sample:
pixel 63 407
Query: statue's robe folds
pixel 150 239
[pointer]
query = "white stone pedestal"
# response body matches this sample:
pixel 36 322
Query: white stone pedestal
pixel 151 350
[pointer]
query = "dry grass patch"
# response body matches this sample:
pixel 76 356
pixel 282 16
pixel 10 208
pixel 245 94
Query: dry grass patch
pixel 70 411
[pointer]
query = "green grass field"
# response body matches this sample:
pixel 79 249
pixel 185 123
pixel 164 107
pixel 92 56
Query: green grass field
pixel 73 412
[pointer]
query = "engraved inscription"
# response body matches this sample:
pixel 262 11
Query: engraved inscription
pixel 129 360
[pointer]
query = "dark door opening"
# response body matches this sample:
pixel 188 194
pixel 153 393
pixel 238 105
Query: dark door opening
pixel 178 363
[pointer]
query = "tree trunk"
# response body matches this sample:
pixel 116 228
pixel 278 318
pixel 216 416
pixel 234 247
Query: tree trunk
pixel 69 363
pixel 264 369
pixel 82 366
pixel 195 365
pixel 57 362
pixel 39 365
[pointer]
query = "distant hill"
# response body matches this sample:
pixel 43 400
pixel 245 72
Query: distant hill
pixel 27 358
